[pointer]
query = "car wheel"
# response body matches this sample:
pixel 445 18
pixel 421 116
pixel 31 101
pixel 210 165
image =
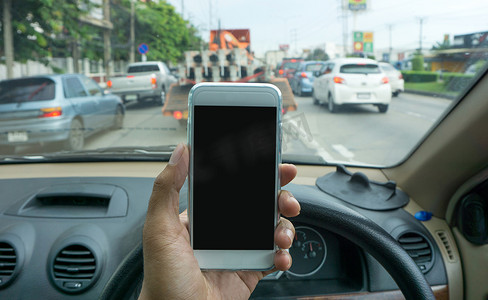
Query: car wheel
pixel 395 94
pixel 76 138
pixel 331 105
pixel 315 100
pixel 118 118
pixel 382 108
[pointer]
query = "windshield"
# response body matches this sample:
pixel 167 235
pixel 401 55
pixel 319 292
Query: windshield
pixel 32 89
pixel 72 82
pixel 291 65
pixel 360 69
pixel 313 67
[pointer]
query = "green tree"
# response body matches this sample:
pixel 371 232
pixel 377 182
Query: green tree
pixel 42 28
pixel 158 25
pixel 418 62
pixel 317 54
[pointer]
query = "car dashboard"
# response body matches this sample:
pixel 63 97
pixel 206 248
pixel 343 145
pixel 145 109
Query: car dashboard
pixel 64 230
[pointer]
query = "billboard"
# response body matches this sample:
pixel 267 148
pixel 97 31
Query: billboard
pixel 357 5
pixel 363 42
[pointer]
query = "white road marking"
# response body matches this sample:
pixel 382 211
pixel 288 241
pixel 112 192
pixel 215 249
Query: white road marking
pixel 343 151
pixel 310 143
pixel 414 114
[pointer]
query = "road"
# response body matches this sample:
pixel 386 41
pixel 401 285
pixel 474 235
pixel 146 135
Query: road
pixel 357 135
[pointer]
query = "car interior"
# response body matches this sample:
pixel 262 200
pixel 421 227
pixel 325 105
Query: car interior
pixel 94 212
pixel 71 223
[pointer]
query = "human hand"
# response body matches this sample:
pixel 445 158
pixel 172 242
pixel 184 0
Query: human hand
pixel 171 271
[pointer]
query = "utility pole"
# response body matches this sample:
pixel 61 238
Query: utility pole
pixel 107 47
pixel 132 34
pixel 183 9
pixel 421 20
pixel 209 15
pixel 8 46
pixel 390 27
pixel 344 26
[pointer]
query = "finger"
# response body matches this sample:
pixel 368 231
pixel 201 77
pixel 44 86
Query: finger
pixel 287 173
pixel 282 260
pixel 284 234
pixel 288 205
pixel 163 204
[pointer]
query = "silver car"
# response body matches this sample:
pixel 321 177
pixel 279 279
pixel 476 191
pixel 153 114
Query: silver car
pixel 395 77
pixel 61 109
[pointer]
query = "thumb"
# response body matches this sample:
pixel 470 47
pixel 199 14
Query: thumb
pixel 164 201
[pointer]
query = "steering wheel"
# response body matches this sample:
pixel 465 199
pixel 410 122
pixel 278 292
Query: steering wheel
pixel 334 217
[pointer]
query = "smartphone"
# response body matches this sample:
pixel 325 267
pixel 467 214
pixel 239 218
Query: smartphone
pixel 234 136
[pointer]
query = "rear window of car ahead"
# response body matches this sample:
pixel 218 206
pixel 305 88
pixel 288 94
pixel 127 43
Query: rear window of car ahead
pixel 144 68
pixel 360 69
pixel 26 90
pixel 313 67
pixel 388 68
pixel 291 65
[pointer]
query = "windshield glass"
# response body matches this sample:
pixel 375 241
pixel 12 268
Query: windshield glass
pixel 313 67
pixel 291 65
pixel 74 82
pixel 360 69
pixel 20 90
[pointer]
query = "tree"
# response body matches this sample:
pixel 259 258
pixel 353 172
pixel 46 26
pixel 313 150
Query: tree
pixel 317 54
pixel 158 25
pixel 42 28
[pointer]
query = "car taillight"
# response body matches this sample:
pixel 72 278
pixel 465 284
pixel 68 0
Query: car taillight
pixel 154 81
pixel 177 115
pixel 51 112
pixel 385 80
pixel 130 76
pixel 400 76
pixel 303 75
pixel 109 84
pixel 281 72
pixel 339 80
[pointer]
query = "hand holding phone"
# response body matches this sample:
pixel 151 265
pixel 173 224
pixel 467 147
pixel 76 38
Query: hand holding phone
pixel 234 133
pixel 170 268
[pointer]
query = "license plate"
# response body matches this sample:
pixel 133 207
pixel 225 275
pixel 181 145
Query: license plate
pixel 131 97
pixel 364 95
pixel 17 136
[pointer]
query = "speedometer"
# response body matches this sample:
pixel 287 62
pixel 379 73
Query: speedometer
pixel 308 251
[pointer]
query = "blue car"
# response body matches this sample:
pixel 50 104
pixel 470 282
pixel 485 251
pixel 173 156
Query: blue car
pixel 62 109
pixel 302 81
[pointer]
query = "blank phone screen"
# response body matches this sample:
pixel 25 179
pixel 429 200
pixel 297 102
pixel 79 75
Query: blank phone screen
pixel 234 181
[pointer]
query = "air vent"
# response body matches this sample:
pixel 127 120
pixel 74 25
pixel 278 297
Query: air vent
pixel 419 249
pixel 447 245
pixel 8 262
pixel 74 268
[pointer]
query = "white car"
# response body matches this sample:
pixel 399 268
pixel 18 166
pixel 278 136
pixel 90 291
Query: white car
pixel 396 78
pixel 352 81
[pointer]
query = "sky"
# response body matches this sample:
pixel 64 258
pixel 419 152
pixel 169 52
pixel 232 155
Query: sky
pixel 306 24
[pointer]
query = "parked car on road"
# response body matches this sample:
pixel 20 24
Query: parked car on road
pixel 395 77
pixel 143 81
pixel 60 109
pixel 352 81
pixel 303 78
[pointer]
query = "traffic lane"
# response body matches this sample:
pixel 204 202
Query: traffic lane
pixel 144 126
pixel 421 106
pixel 359 134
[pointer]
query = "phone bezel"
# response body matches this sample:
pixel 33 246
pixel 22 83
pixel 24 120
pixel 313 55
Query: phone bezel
pixel 234 94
